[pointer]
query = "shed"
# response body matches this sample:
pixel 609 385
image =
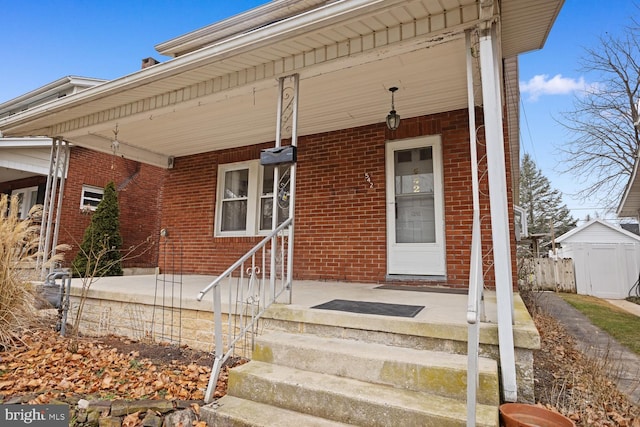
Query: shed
pixel 606 258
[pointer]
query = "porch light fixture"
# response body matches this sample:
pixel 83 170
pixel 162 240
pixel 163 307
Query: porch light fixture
pixel 393 119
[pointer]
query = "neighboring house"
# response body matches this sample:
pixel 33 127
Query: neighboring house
pixel 629 206
pixel 370 202
pixel 606 258
pixel 25 167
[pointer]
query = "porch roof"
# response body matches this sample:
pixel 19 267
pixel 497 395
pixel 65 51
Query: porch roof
pixel 347 52
pixel 24 157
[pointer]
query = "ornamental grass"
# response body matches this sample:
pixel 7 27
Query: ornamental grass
pixel 18 252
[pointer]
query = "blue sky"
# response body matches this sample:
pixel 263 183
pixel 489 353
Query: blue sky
pixel 45 40
pixel 549 79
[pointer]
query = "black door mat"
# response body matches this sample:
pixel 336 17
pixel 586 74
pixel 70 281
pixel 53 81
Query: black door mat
pixel 379 308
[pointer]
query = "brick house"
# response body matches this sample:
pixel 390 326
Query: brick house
pixel 371 202
pixel 25 168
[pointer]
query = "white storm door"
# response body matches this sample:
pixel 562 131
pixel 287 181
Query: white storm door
pixel 415 226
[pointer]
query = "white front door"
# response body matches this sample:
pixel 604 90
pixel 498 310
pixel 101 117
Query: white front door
pixel 415 226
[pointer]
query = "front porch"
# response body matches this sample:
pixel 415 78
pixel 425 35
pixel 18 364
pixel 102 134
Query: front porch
pixel 164 308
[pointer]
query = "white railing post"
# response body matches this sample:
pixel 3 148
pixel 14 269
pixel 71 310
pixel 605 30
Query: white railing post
pixel 219 346
pixel 475 271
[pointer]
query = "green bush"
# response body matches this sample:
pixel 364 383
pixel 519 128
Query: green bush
pixel 99 253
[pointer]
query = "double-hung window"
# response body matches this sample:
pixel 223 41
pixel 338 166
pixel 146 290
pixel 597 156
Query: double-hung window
pixel 245 198
pixel 91 197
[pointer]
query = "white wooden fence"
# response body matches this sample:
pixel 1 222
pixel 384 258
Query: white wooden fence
pixel 547 274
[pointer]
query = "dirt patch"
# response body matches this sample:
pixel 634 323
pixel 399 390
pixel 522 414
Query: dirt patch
pixel 158 353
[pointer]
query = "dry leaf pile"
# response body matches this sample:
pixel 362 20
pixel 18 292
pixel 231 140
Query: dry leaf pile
pixel 46 366
pixel 575 384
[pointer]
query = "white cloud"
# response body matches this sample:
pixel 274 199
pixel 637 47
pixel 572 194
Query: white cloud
pixel 557 85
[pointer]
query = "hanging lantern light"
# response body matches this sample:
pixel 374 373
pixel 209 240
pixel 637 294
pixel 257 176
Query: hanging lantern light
pixel 393 118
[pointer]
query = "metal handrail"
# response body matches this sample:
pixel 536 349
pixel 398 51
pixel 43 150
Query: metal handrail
pixel 244 258
pixel 256 302
pixel 476 285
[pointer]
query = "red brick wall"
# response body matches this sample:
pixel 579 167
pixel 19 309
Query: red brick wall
pixel 340 218
pixel 139 189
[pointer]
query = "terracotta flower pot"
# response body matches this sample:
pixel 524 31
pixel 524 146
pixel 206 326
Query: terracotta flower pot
pixel 523 415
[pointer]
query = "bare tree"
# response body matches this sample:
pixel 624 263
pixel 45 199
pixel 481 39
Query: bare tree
pixel 605 142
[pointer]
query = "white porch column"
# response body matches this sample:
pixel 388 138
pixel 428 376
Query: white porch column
pixel 492 100
pixel 58 165
pixel 286 123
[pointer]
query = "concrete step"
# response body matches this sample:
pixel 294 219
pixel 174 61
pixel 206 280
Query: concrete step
pixel 231 411
pixel 397 331
pixel 433 372
pixel 348 400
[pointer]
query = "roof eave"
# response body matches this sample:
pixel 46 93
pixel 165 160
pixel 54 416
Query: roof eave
pixel 235 25
pixel 277 31
pixel 624 210
pixel 50 88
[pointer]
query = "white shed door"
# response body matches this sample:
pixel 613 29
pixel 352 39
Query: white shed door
pixel 415 231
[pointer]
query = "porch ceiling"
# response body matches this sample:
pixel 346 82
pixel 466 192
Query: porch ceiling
pixel 348 53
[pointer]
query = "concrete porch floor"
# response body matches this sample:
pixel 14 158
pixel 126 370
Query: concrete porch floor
pixel 447 310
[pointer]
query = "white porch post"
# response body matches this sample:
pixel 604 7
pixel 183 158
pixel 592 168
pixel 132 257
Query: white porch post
pixel 292 184
pixel 490 76
pixel 287 114
pixel 58 164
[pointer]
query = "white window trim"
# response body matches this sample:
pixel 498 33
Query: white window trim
pixel 254 196
pixel 91 188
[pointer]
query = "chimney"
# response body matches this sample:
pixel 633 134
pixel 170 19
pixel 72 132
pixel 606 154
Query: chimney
pixel 148 62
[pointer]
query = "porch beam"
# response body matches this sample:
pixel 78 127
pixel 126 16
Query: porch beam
pixel 497 174
pixel 103 144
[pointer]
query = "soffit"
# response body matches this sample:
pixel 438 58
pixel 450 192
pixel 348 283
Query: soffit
pixel 526 24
